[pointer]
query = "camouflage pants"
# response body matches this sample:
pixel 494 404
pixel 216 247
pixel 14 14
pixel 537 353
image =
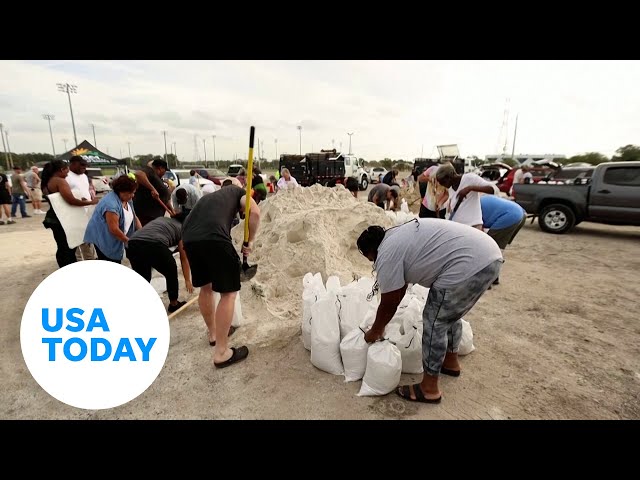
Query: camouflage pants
pixel 442 314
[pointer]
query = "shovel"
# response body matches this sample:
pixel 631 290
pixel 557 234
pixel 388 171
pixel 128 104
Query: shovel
pixel 248 271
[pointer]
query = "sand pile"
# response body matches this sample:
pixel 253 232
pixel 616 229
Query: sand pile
pixel 303 230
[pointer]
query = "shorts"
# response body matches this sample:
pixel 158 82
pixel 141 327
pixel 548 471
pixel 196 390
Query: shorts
pixel 5 198
pixel 426 213
pixel 214 262
pixel 504 236
pixel 36 194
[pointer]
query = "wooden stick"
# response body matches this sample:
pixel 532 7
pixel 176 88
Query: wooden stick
pixel 184 307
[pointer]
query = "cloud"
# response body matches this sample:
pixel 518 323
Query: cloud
pixel 396 109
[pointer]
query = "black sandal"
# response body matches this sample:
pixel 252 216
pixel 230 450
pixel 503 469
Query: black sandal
pixel 451 373
pixel 238 355
pixel 231 330
pixel 405 392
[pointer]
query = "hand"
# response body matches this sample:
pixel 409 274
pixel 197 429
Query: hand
pixel 373 335
pixel 189 286
pixel 155 194
pixel 246 250
pixel 95 201
pixel 463 193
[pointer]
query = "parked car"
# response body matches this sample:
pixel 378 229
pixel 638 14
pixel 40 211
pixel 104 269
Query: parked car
pixel 99 180
pixel 570 175
pixel 180 177
pixel 612 197
pixel 234 170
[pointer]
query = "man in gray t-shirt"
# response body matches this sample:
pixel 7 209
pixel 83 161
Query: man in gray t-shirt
pixel 381 193
pixel 456 262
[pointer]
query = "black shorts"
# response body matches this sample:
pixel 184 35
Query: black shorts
pixel 216 263
pixel 426 213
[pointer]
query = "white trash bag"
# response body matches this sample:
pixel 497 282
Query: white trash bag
pixel 325 335
pixel 333 284
pixel 466 343
pixel 353 349
pixel 384 368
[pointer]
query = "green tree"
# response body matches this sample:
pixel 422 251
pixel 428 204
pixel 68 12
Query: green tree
pixel 386 163
pixel 510 161
pixel 593 158
pixel 628 153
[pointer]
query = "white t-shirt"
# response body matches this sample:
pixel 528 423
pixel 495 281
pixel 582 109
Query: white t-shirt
pixel 469 212
pixel 528 175
pixel 282 183
pixel 79 185
pixel 128 218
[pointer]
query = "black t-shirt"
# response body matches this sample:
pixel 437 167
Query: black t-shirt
pixel 3 182
pixel 388 178
pixel 143 202
pixel 213 215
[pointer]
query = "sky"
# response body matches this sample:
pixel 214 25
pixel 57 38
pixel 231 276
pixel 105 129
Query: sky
pixel 394 109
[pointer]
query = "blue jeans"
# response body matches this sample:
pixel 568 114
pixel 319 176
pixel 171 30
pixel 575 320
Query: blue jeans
pixel 18 198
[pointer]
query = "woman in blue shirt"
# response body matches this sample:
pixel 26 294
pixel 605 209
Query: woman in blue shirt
pixel 114 221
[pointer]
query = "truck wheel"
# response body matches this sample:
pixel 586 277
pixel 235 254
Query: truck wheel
pixel 556 218
pixel 364 184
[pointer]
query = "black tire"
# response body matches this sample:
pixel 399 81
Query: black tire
pixel 556 218
pixel 364 184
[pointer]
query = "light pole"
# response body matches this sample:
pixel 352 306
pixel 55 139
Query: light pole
pixel 340 147
pixel 65 144
pixel 276 141
pixel 6 132
pixel 215 164
pixel 4 148
pixel 129 148
pixel 300 132
pixel 93 127
pixel 204 147
pixel 175 152
pixel 69 89
pixel 48 117
pixel 333 143
pixel 164 133
pixel 350 141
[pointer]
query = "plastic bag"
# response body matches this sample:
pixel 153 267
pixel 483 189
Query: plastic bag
pixel 410 346
pixel 313 288
pixel 466 343
pixel 238 319
pixel 352 308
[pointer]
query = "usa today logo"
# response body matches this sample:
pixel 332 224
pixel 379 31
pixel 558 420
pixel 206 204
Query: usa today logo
pixel 94 334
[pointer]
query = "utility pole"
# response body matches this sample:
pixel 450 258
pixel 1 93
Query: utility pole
pixel 175 152
pixel 164 133
pixel 350 141
pixel 4 147
pixel 49 117
pixel 276 149
pixel 129 147
pixel 300 132
pixel 6 132
pixel 204 147
pixel 65 144
pixel 215 163
pixel 93 127
pixel 69 89
pixel 513 148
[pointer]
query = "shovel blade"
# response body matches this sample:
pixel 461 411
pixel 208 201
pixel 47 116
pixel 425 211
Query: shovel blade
pixel 248 272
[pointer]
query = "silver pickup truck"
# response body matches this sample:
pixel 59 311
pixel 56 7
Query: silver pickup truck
pixel 612 196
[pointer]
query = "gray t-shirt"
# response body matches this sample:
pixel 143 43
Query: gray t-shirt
pixel 212 216
pixel 381 189
pixel 434 252
pixel 165 230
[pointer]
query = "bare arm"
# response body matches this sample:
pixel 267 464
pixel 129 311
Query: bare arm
pixel 114 226
pixel 138 224
pixel 254 216
pixel 142 179
pixel 386 310
pixel 186 270
pixel 65 191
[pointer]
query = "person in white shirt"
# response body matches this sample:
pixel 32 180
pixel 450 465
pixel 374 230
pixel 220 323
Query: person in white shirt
pixel 464 194
pixel 527 176
pixel 286 180
pixel 80 188
pixel 184 198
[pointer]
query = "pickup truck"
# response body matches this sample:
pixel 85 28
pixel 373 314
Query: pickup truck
pixel 612 196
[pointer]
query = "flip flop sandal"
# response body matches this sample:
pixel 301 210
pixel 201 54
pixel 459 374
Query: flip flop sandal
pixel 451 373
pixel 238 355
pixel 231 330
pixel 405 392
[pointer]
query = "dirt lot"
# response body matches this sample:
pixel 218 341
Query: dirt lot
pixel 558 339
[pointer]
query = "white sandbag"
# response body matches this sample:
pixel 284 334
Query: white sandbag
pixel 333 284
pixel 420 292
pixel 384 368
pixel 404 207
pixel 369 317
pixel 412 316
pixel 466 343
pixel 238 319
pixel 325 335
pixel 353 349
pixel 410 346
pixel 392 332
pixel 352 308
pixel 313 288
